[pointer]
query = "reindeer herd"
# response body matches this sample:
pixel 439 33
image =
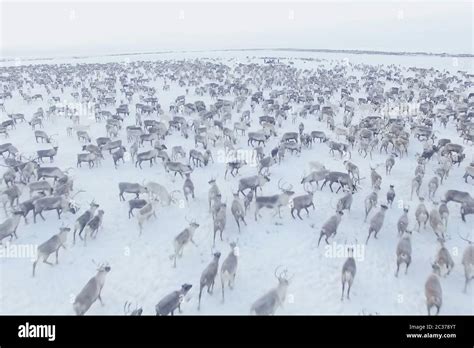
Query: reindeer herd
pixel 265 125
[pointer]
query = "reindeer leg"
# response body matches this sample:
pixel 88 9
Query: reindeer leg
pixel 367 241
pixel 326 239
pixel 320 237
pixel 45 260
pixel 222 287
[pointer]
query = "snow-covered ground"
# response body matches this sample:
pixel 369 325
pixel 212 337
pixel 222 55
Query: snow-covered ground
pixel 142 271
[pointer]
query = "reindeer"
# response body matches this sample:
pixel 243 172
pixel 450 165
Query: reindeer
pixel 9 226
pixel 92 227
pixel 26 206
pixel 198 157
pixel 330 227
pixel 457 196
pixel 315 176
pixel 52 245
pixel 134 150
pixel 435 221
pixel 90 158
pixel 136 312
pixel 376 222
pixel 444 212
pixel 146 156
pixel 82 220
pixel 443 258
pixel 28 170
pixel 348 273
pixel 404 251
pixel 402 223
pixel 135 203
pixel 234 167
pixel 219 219
pixel 91 291
pixel 389 163
pixel 390 196
pixel 172 301
pixel 11 195
pixel 82 135
pixel 274 202
pixel 177 151
pixel 177 167
pixel 182 239
pixel 375 177
pixel 9 177
pixel 188 187
pixel 265 164
pixel 237 210
pixel 145 213
pixel 433 291
pixel 370 202
pixel 339 147
pixel 302 202
pixel 467 208
pixel 58 203
pixel 415 185
pixel 269 302
pixel 119 155
pixel 468 262
pixel 343 179
pixel 51 153
pixel 213 192
pixel 353 171
pixel 469 173
pixel 127 187
pixel 208 276
pixel 252 183
pixel 345 202
pixel 433 185
pixel 159 192
pixel 229 268
pixel 421 214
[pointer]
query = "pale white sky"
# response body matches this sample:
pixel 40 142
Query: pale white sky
pixel 39 28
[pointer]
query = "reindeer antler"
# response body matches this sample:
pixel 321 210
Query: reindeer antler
pixel 278 276
pixel 74 195
pixel 465 239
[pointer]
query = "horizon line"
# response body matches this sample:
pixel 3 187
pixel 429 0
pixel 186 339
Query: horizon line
pixel 322 50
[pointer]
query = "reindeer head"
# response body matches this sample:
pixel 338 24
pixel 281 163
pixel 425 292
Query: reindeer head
pixel 282 277
pixel 102 267
pixel 93 205
pixel 286 190
pixel 436 268
pixel 64 229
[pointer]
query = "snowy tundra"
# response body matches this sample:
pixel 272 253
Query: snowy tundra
pixel 355 150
